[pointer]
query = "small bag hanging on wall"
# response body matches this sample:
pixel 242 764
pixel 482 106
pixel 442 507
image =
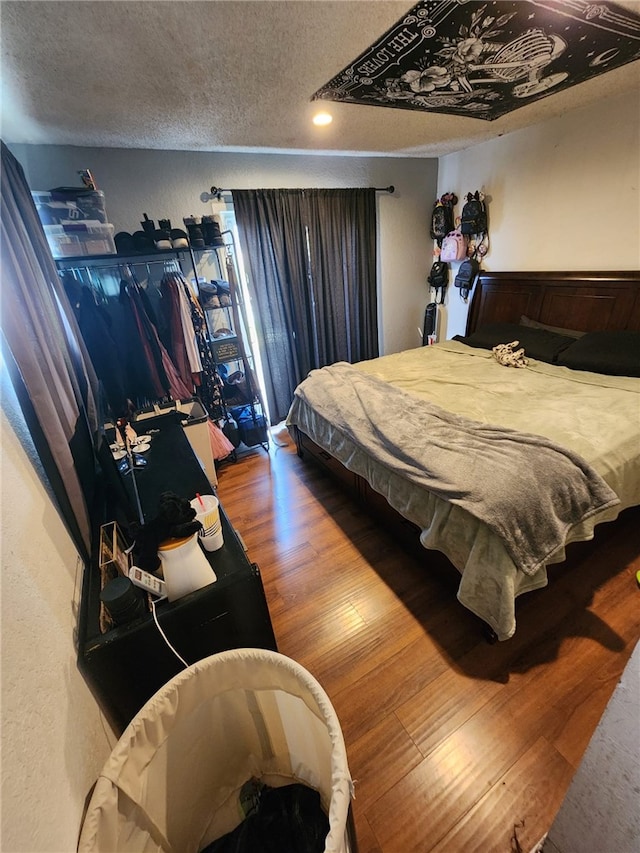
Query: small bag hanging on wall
pixel 442 217
pixel 474 215
pixel 454 247
pixel 438 279
pixel 466 276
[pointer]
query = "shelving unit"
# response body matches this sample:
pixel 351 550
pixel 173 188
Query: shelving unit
pixel 227 327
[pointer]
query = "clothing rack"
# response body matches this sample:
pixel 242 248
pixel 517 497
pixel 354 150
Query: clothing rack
pixel 117 263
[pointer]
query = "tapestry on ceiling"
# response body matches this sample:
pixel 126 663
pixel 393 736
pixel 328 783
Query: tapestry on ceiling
pixel 486 59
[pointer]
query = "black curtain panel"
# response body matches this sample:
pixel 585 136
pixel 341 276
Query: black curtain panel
pixel 342 259
pixel 310 257
pixel 42 344
pixel 274 247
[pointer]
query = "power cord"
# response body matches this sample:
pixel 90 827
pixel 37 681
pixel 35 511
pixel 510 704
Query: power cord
pixel 154 601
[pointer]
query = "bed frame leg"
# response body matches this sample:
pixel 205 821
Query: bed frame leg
pixel 489 634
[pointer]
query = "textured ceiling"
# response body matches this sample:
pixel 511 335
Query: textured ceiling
pixel 220 75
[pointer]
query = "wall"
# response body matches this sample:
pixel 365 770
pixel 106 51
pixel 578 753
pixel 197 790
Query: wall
pixel 168 184
pixel 563 195
pixel 54 741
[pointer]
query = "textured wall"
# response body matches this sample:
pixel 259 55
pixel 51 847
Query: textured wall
pixel 563 195
pixel 53 739
pixel 169 184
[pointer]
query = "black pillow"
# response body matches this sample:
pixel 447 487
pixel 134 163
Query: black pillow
pixel 611 353
pixel 538 343
pixel 535 324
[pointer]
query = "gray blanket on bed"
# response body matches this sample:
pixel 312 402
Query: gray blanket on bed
pixel 527 489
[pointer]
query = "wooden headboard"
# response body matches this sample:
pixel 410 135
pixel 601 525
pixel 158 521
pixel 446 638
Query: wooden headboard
pixel 585 301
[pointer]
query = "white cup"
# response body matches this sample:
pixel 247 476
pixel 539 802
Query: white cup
pixel 208 514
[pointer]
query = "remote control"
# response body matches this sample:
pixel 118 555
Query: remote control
pixel 147 581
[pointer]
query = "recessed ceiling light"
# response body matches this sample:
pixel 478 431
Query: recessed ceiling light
pixel 322 119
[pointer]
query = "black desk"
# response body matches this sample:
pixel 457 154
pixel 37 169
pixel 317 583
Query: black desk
pixel 129 663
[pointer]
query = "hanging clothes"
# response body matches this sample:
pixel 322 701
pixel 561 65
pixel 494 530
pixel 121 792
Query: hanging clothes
pixel 175 332
pixel 221 447
pixel 130 358
pixel 95 325
pixel 212 384
pixel 167 379
pixel 189 332
pixel 150 344
pixel 127 349
pixel 182 335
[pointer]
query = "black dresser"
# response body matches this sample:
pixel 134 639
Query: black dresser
pixel 126 665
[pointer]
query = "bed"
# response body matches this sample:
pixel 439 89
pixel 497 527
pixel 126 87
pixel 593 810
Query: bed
pixel 499 468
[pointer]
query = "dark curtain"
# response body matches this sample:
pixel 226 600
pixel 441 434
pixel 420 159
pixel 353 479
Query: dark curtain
pixel 342 250
pixel 310 258
pixel 46 357
pixel 274 250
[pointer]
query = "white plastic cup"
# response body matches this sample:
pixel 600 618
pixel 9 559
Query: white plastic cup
pixel 207 509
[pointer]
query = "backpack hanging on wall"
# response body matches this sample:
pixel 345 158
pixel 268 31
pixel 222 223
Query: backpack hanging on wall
pixel 474 215
pixel 442 220
pixel 438 279
pixel 454 246
pixel 466 276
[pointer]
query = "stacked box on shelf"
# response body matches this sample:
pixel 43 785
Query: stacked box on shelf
pixel 75 222
pixel 71 240
pixel 73 204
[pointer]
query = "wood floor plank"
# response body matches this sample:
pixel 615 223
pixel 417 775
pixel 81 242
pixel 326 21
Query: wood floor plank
pixel 367 842
pixel 452 738
pixel 436 711
pixel 454 777
pixel 379 759
pixel 478 753
pixel 381 641
pixel 583 711
pixel 365 702
pixel 322 630
pixel 528 796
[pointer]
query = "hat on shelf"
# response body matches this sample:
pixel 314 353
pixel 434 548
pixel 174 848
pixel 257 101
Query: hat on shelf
pixel 124 243
pixel 143 242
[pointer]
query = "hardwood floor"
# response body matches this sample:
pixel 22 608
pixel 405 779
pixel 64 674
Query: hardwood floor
pixel 454 744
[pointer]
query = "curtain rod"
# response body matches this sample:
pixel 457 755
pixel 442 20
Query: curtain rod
pixel 217 193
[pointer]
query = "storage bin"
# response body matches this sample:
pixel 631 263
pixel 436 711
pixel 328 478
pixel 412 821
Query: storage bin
pixel 252 426
pixel 57 207
pixel 194 419
pixel 174 779
pixel 77 239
